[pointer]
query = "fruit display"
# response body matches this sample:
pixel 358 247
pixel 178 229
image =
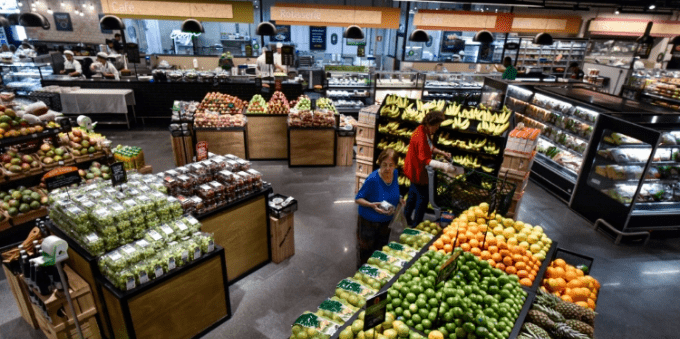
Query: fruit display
pixel 19 120
pixel 215 120
pixel 81 143
pixel 257 105
pixel 303 103
pixel 278 104
pixel 415 238
pixel 101 217
pixel 132 157
pixel 429 227
pixel 16 163
pixel 477 300
pixel 96 170
pixel 22 200
pixel 553 318
pixel 219 103
pixel 390 328
pixel 478 144
pixel 141 261
pixel 323 118
pixel 326 104
pixel 347 121
pixel 511 246
pixel 50 155
pixel 571 284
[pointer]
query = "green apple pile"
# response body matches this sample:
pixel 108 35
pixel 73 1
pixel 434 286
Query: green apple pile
pixel 477 301
pixel 303 103
pixel 429 227
pixel 326 103
pixel 257 105
pixel 48 154
pixel 21 200
pixel 389 329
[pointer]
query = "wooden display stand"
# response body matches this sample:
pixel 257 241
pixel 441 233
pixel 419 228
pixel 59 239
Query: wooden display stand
pixel 242 228
pixel 20 292
pixel 516 169
pixel 184 303
pixel 282 238
pixel 345 150
pixel 225 140
pixel 182 149
pixel 267 137
pixel 311 146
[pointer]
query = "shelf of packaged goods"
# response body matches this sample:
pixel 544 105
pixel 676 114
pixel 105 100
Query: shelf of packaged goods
pixel 657 208
pixel 347 96
pixel 635 182
pixel 442 88
pixel 562 130
pixel 562 147
pixel 661 97
pixel 561 170
pixel 348 86
pixel 566 115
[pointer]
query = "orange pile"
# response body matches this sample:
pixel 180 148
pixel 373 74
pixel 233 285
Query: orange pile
pixel 571 284
pixel 512 259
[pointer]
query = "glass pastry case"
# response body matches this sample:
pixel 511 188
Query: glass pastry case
pixel 350 91
pixel 409 84
pixel 452 86
pixel 632 170
pixel 24 77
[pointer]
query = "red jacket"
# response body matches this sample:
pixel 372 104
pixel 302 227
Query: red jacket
pixel 418 156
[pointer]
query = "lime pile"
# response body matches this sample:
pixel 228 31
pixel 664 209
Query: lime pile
pixel 390 329
pixel 429 227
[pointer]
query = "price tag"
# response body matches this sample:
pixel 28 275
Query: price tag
pixel 376 308
pixel 158 271
pixel 448 269
pixel 91 155
pixel 143 278
pixel 61 163
pixel 130 283
pixel 211 246
pixel 197 253
pixel 118 174
pixel 171 264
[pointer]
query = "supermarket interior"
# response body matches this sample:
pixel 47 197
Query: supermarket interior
pixel 335 169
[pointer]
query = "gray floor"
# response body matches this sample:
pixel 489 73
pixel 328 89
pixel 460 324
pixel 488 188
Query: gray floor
pixel 638 298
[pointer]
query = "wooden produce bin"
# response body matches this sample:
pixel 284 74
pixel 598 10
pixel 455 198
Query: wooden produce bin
pixel 267 137
pixel 20 292
pixel 242 227
pixel 182 149
pixel 313 146
pixel 184 303
pixel 345 149
pixel 225 140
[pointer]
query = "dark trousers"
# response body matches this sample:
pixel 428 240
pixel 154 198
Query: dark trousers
pixel 418 197
pixel 371 236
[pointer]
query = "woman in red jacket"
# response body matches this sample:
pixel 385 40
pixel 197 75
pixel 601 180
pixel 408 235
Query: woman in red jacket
pixel 420 151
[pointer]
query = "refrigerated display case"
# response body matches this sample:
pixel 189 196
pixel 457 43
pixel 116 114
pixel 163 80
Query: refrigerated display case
pixel 350 91
pixel 493 94
pixel 633 172
pixel 456 87
pixel 662 88
pixel 409 84
pixel 553 59
pixel 24 77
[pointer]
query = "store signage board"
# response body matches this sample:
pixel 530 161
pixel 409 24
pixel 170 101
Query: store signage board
pixel 317 38
pixel 269 57
pixel 62 176
pixel 326 15
pixel 118 173
pixel 201 150
pixel 62 21
pixel 376 308
pixel 202 10
pixel 460 20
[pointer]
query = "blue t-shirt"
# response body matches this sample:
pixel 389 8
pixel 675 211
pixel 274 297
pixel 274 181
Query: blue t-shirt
pixel 375 190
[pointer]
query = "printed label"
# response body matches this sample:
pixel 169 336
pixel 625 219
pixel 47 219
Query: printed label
pixel 143 278
pixel 211 245
pixel 115 256
pixel 171 264
pixel 197 253
pixel 185 256
pixel 155 236
pixel 143 243
pixel 181 226
pixel 158 271
pixel 130 283
pixel 166 229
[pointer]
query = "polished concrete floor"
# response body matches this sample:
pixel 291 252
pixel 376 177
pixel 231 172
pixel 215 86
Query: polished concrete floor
pixel 638 299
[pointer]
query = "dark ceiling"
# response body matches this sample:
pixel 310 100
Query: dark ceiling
pixel 626 5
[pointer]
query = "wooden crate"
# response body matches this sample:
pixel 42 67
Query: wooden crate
pixel 4 224
pixel 344 155
pixel 359 181
pixel 57 312
pixel 23 218
pixel 87 324
pixel 365 132
pixel 365 150
pixel 517 163
pixel 20 292
pixel 367 117
pixel 520 181
pixel 182 149
pixel 364 167
pixel 514 205
pixel 224 142
pixel 282 237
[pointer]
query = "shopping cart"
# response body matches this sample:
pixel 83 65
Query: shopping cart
pixel 456 195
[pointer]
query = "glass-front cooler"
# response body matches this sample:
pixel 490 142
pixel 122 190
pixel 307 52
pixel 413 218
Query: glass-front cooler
pixel 457 87
pixel 24 77
pixel 409 84
pixel 631 174
pixel 566 128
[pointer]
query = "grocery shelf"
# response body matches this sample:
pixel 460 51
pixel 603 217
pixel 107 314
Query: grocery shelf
pixel 560 146
pixel 561 130
pixel 348 86
pixel 656 96
pixel 225 129
pixel 453 88
pixel 559 169
pixel 580 120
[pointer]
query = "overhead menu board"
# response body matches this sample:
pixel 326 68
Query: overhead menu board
pixel 317 38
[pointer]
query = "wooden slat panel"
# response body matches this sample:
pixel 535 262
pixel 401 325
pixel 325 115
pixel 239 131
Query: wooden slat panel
pixel 21 296
pixel 115 312
pixel 224 142
pixel 242 231
pixel 312 147
pixel 183 306
pixel 79 265
pixel 268 137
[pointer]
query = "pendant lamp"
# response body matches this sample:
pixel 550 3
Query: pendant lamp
pixel 544 39
pixel 111 22
pixel 192 26
pixel 419 36
pixel 4 22
pixel 34 20
pixel 266 28
pixel 483 37
pixel 354 32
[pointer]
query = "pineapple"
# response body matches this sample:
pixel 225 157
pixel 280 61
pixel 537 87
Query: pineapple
pixel 563 331
pixel 551 313
pixel 547 299
pixel 581 327
pixel 570 311
pixel 540 319
pixel 535 331
pixel 567 309
pixel 588 316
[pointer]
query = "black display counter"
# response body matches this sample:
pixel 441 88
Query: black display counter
pixel 154 99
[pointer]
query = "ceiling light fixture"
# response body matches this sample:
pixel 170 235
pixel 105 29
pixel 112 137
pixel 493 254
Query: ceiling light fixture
pixel 84 5
pixel 82 14
pixel 652 6
pixel 63 4
pixel 91 6
pixel 617 11
pixel 50 11
pixel 20 4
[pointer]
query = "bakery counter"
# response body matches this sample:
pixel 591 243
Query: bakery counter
pixel 154 99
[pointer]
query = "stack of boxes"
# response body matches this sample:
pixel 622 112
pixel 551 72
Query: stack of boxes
pixel 517 160
pixel 365 139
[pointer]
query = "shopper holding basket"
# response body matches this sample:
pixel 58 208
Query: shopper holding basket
pixel 419 155
pixel 378 199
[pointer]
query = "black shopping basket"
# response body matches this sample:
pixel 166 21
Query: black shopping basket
pixel 457 194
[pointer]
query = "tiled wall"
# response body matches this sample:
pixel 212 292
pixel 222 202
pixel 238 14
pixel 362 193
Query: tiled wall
pixel 85 28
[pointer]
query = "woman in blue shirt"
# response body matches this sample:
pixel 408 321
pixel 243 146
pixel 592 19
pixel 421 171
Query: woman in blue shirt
pixel 382 185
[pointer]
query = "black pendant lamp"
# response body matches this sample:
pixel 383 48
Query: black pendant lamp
pixel 4 22
pixel 354 32
pixel 419 36
pixel 34 20
pixel 483 37
pixel 111 22
pixel 13 19
pixel 266 28
pixel 544 39
pixel 192 26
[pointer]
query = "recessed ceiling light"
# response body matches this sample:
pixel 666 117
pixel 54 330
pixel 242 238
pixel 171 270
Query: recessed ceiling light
pixel 652 6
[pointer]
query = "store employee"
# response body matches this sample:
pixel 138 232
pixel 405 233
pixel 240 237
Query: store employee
pixel 509 71
pixel 278 64
pixel 71 66
pixel 262 68
pixel 105 67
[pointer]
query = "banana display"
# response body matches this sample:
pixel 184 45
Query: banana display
pixel 403 181
pixel 399 146
pixel 470 161
pixel 491 128
pixel 479 144
pixel 391 111
pixel 457 123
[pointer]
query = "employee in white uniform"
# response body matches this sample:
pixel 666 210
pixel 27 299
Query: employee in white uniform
pixel 278 64
pixel 263 68
pixel 105 67
pixel 71 66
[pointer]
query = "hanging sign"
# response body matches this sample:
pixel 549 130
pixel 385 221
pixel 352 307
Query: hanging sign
pixel 338 16
pixel 317 38
pixel 62 176
pixel 202 10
